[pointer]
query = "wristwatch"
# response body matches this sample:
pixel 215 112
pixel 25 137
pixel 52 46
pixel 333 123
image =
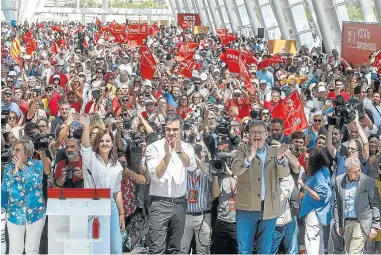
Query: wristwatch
pixel 178 152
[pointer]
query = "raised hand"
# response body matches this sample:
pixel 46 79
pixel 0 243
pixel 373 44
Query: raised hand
pixel 281 150
pixel 253 151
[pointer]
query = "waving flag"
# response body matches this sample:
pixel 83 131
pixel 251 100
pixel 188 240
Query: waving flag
pixel 29 42
pixel 16 51
pixel 248 58
pixel 232 60
pixel 186 51
pixel 153 30
pixel 377 62
pixel 54 47
pixel 291 111
pixel 56 28
pixel 245 74
pixel 98 22
pixel 147 63
pixel 186 67
pixel 222 32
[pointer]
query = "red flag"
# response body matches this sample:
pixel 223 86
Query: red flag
pixel 85 43
pixel 186 51
pixel 137 31
pixel 186 67
pixel 377 62
pixel 153 30
pixel 147 63
pixel 56 28
pixel 232 60
pixel 222 32
pixel 54 47
pixel 30 43
pixel 291 111
pixel 245 74
pixel 188 20
pixel 98 22
pixel 16 51
pixel 80 29
pixel 248 58
pixel 269 61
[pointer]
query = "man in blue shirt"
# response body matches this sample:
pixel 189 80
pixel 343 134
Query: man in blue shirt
pixel 264 74
pixel 8 105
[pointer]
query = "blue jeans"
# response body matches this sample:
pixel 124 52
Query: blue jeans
pixel 289 234
pixel 115 236
pixel 250 224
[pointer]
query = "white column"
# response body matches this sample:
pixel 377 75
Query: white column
pixel 314 19
pixel 205 20
pixel 261 18
pixel 174 10
pixel 279 15
pixel 291 22
pixel 215 14
pixel 325 20
pixel 233 19
pixel 104 6
pixel 367 10
pixel 219 10
pixel 254 22
pixel 236 11
pixel 187 7
pixel 181 7
pixel 377 4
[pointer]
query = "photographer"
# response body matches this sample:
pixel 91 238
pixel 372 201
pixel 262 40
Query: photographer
pixel 68 173
pixel 7 104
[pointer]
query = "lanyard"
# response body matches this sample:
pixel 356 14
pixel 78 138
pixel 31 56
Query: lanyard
pixel 194 182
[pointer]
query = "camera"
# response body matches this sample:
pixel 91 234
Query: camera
pixel 5 155
pixel 41 142
pixel 345 113
pixel 70 173
pixel 224 126
pixel 127 124
pixel 218 165
pixel 4 117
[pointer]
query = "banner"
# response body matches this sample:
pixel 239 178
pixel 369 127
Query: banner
pixel 153 30
pixel 188 20
pixel 147 63
pixel 29 43
pixel 186 51
pixel 377 62
pixel 16 51
pixel 222 32
pixel 200 30
pixel 291 111
pixel 359 40
pixel 282 46
pixel 186 67
pixel 232 60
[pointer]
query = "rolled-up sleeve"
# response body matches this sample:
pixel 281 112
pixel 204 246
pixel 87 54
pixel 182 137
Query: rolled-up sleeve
pixel 321 187
pixel 152 160
pixel 87 156
pixel 192 158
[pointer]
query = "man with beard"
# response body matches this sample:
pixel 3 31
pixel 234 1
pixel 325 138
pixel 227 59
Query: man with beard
pixel 69 173
pixel 277 134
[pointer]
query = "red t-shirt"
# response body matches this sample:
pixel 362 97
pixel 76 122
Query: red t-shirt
pixel 244 109
pixel 271 105
pixel 88 106
pixel 24 107
pixel 183 113
pixel 332 95
pixel 63 80
pixel 76 106
pixel 62 164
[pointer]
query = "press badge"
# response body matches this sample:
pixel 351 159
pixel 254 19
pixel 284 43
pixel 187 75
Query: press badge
pixel 192 196
pixel 231 204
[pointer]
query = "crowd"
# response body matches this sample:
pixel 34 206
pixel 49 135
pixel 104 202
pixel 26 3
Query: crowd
pixel 194 162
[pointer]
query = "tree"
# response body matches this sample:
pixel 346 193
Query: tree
pixel 354 12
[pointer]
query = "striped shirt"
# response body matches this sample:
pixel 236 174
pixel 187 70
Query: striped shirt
pixel 202 183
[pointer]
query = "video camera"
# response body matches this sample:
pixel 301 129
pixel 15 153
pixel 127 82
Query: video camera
pixel 5 156
pixel 4 117
pixel 218 165
pixel 345 112
pixel 41 142
pixel 224 126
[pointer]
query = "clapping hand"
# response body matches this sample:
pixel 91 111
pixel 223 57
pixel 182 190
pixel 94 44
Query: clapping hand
pixel 281 151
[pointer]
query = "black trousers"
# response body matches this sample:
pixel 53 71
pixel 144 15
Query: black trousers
pixel 224 238
pixel 166 227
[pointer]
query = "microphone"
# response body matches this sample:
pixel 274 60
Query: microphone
pixel 95 189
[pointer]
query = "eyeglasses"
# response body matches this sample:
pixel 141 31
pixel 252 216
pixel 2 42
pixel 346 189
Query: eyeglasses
pixel 111 78
pixel 352 149
pixel 99 72
pixel 257 132
pixel 265 113
pixel 8 94
pixel 125 100
pixel 56 79
pixel 12 118
pixel 81 76
pixel 94 133
pixel 316 120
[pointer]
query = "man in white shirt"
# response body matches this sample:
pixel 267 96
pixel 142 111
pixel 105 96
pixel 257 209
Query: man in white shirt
pixel 168 161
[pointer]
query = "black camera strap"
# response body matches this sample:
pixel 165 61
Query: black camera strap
pixel 376 109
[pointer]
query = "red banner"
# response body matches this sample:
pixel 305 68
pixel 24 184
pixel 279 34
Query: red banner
pixel 98 22
pixel 245 74
pixel 147 63
pixel 186 67
pixel 29 42
pixel 291 111
pixel 186 51
pixel 56 28
pixel 359 40
pixel 153 30
pixel 222 32
pixel 54 47
pixel 248 58
pixel 188 20
pixel 232 60
pixel 377 62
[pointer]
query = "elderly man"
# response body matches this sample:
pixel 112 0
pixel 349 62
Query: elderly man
pixel 357 207
pixel 259 169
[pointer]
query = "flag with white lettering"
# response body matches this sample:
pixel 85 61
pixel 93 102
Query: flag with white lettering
pixel 188 20
pixel 186 51
pixel 147 63
pixel 186 67
pixel 291 111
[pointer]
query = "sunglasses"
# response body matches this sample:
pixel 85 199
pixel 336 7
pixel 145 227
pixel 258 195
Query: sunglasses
pixel 12 118
pixel 56 79
pixel 125 100
pixel 352 149
pixel 111 78
pixel 265 113
pixel 317 120
pixel 8 94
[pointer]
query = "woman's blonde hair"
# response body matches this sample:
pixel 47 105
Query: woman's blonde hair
pixel 27 145
pixel 95 119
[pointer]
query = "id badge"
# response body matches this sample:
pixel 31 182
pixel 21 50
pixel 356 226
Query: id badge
pixel 192 196
pixel 231 202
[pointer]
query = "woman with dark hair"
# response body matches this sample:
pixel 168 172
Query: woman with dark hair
pixel 316 204
pixel 107 173
pixel 374 156
pixel 183 108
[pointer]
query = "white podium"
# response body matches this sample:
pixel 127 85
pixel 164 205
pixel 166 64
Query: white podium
pixel 70 219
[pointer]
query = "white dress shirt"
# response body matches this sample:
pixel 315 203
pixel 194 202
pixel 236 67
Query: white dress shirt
pixel 173 183
pixel 109 176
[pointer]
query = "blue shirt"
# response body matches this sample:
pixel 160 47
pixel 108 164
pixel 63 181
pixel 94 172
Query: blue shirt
pixel 349 203
pixel 261 154
pixel 268 77
pixel 25 197
pixel 170 99
pixel 199 181
pixel 13 107
pixel 321 184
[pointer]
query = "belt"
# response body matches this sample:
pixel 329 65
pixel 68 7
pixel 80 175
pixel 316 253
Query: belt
pixel 175 200
pixel 199 213
pixel 351 219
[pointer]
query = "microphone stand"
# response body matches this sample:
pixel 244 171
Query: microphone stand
pixel 95 186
